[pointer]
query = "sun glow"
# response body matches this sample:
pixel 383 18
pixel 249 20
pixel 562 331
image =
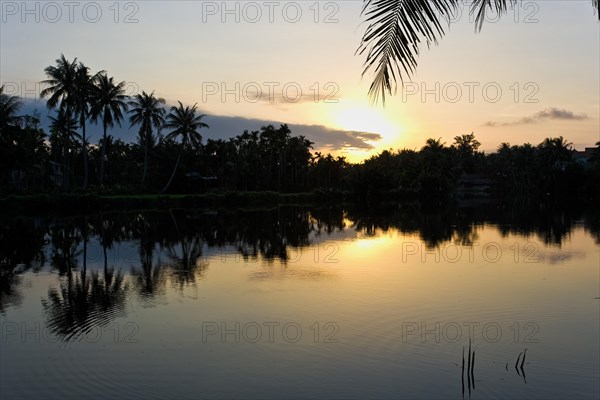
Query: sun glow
pixel 370 246
pixel 365 118
pixel 382 127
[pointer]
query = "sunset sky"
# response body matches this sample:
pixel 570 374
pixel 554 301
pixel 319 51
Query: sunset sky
pixel 543 57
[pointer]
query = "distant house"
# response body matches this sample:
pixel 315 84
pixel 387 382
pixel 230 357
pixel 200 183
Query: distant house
pixel 18 178
pixel 56 173
pixel 583 157
pixel 24 179
pixel 206 181
pixel 474 185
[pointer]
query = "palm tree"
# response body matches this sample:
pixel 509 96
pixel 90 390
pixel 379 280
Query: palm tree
pixel 397 28
pixel 434 145
pixel 9 106
pixel 185 123
pixel 110 100
pixel 63 134
pixel 61 81
pixel 555 152
pixel 82 101
pixel 71 88
pixel 61 92
pixel 146 111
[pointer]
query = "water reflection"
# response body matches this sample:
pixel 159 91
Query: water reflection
pixel 149 277
pixel 83 302
pixel 176 246
pixel 149 282
pixel 592 223
pixel 21 249
pixel 438 226
pixel 185 257
pixel 85 299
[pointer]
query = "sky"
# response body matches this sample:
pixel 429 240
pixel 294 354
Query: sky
pixel 531 74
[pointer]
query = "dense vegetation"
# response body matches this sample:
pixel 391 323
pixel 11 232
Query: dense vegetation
pixel 170 155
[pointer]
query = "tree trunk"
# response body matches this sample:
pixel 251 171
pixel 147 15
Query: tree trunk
pixel 105 265
pixel 85 243
pixel 85 155
pixel 145 172
pixel 65 181
pixel 174 170
pixel 103 154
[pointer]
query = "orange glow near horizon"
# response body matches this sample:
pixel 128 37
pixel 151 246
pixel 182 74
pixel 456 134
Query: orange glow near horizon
pixel 364 118
pixel 360 116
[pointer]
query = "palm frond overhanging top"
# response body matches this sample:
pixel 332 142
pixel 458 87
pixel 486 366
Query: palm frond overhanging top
pixel 396 28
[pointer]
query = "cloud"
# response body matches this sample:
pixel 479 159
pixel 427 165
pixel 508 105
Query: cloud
pixel 555 113
pixel 557 257
pixel 293 96
pixel 224 127
pixel 551 113
pixel 335 139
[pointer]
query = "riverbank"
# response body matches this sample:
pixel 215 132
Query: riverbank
pixel 67 203
pixel 87 201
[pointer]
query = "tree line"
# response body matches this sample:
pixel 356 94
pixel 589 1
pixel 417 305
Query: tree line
pixel 169 154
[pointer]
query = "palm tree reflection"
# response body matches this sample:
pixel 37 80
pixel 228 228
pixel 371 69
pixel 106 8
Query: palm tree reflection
pixel 83 302
pixel 21 250
pixel 149 278
pixel 186 262
pixel 173 245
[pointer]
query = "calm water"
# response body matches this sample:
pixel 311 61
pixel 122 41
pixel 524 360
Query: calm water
pixel 301 303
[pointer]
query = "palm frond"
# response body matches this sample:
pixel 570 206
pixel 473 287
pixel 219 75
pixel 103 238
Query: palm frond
pixel 391 40
pixel 480 7
pixel 61 82
pixel 9 106
pixel 185 123
pixel 108 100
pixel 397 28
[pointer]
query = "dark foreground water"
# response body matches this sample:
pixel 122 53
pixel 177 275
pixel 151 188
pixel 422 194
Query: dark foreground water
pixel 301 303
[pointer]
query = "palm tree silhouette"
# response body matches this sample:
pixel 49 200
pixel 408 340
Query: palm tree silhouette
pixel 185 123
pixel 64 126
pixel 433 145
pixel 61 81
pixel 9 106
pixel 146 111
pixel 109 102
pixel 397 28
pixel 71 87
pixel 83 101
pixel 555 152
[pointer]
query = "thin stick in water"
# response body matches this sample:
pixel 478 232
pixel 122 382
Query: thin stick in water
pixel 462 375
pixel 473 368
pixel 523 360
